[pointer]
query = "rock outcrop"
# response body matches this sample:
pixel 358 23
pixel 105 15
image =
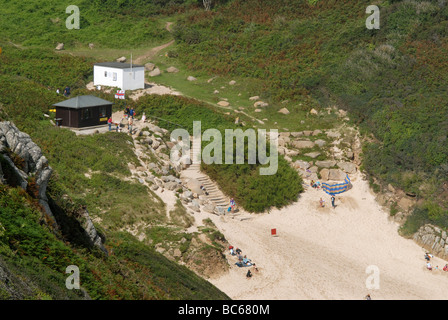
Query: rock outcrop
pixel 23 165
pixel 28 168
pixel 433 239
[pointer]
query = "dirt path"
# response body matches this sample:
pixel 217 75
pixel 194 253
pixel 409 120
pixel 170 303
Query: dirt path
pixel 154 51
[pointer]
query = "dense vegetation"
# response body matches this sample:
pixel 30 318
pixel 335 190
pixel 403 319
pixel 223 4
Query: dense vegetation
pixel 31 252
pixel 87 172
pixel 43 23
pixel 392 80
pixel 243 182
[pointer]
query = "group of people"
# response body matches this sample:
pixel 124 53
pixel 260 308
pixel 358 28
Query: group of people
pixel 203 189
pixel 428 258
pixel 243 261
pixel 129 115
pixel 316 185
pixel 66 92
pixel 322 202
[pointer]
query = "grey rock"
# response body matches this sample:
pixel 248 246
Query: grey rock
pixel 210 208
pixel 303 144
pixel 172 70
pixel 320 142
pixel 60 46
pixel 313 154
pixel 325 163
pixel 150 66
pixel 154 73
pixel 297 134
pixel 336 175
pixel 301 164
pixel 348 167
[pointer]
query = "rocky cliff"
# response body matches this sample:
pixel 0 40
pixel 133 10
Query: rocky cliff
pixel 433 239
pixel 22 164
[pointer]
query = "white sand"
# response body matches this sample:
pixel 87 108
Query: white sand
pixel 323 253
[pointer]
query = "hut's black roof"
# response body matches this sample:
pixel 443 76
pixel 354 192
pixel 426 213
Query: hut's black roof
pixel 118 65
pixel 83 102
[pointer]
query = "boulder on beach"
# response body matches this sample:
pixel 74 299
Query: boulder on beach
pixel 195 186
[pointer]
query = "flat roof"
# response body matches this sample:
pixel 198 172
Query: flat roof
pixel 118 65
pixel 80 102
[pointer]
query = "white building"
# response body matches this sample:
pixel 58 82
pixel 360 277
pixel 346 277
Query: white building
pixel 121 75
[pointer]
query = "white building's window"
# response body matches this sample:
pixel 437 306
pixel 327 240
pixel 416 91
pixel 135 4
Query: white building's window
pixel 115 76
pixel 105 74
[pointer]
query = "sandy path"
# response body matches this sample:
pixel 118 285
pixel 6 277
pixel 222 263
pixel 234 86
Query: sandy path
pixel 321 253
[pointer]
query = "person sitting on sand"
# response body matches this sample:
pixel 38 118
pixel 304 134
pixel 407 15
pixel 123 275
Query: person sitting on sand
pixel 322 203
pixel 238 251
pixel 246 261
pixel 368 297
pixel 232 252
pixel 445 268
pixel 248 274
pixel 232 204
pixel 428 266
pixel 312 184
pixel 203 189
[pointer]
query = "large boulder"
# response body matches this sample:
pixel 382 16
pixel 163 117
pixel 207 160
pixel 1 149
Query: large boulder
pixel 300 164
pixel 297 134
pixel 324 173
pixel 313 154
pixel 60 46
pixel 326 163
pixel 283 111
pixel 336 175
pixel 320 142
pixel 154 73
pixel 149 66
pixel 261 104
pixel 348 167
pixel 303 144
pixel 195 186
pixel 172 70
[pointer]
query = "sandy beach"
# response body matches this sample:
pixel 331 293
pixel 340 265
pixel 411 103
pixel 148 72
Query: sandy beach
pixel 324 253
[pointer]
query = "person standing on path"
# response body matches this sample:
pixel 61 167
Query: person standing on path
pixel 126 112
pixel 130 123
pixel 109 122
